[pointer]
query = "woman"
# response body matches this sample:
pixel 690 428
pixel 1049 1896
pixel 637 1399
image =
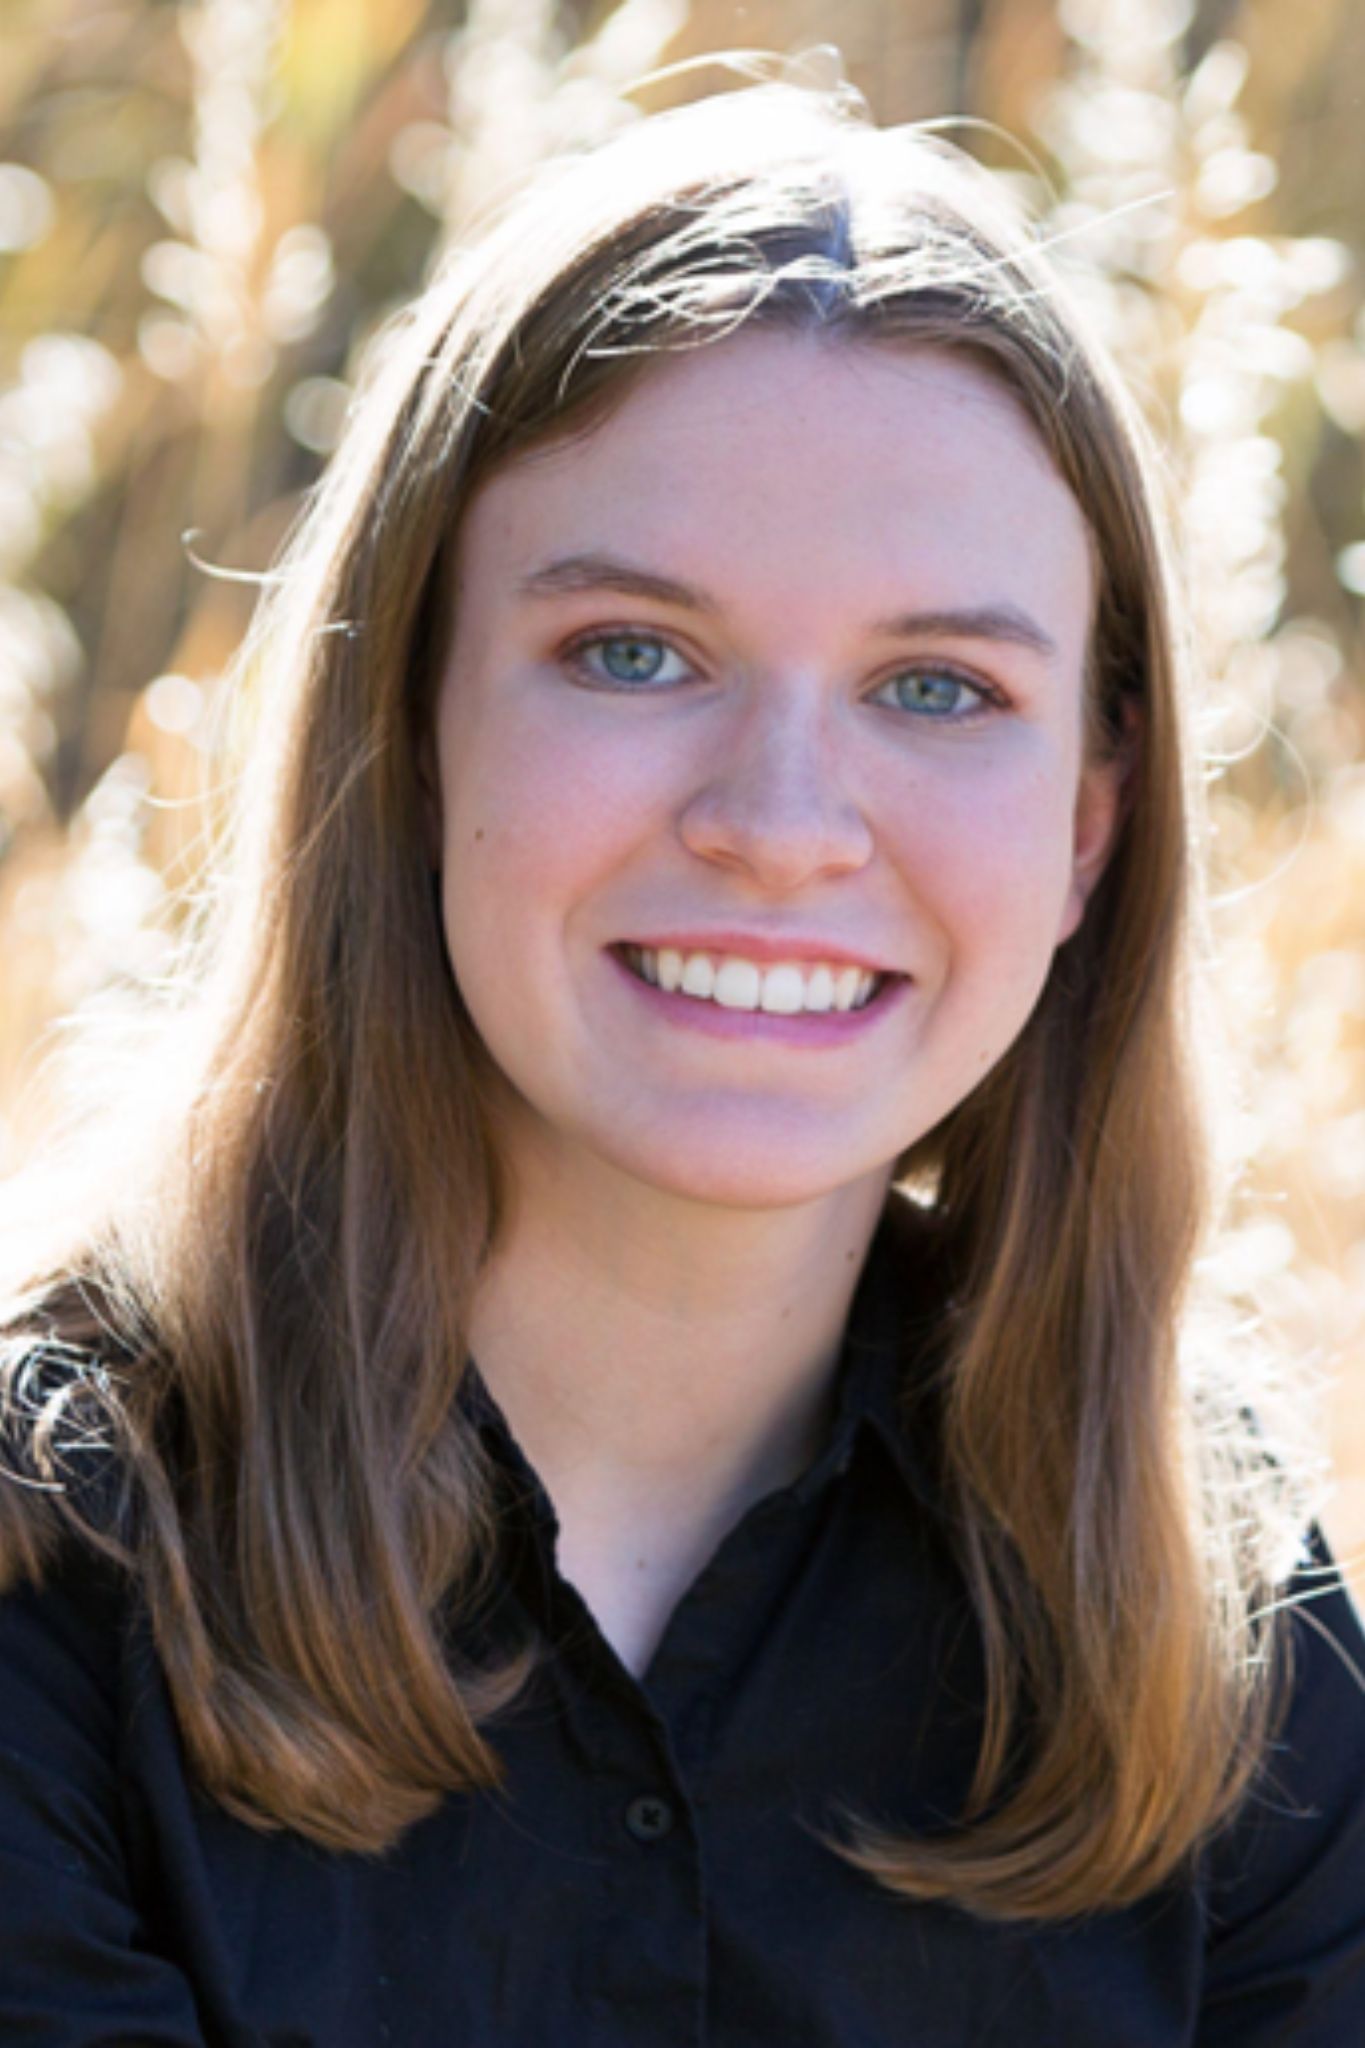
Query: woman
pixel 623 1469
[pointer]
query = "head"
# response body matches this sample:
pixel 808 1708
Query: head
pixel 769 221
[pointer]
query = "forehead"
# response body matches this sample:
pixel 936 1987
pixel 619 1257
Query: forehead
pixel 806 464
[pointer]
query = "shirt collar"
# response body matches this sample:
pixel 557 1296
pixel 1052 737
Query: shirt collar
pixel 883 1370
pixel 884 1383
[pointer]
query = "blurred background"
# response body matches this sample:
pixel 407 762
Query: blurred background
pixel 207 207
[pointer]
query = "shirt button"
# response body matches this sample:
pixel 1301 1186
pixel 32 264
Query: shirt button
pixel 649 1817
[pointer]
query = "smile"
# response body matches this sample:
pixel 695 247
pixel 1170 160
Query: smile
pixel 785 989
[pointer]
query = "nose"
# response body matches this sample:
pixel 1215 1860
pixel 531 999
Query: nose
pixel 774 802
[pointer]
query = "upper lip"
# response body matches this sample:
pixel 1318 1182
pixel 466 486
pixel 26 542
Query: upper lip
pixel 763 948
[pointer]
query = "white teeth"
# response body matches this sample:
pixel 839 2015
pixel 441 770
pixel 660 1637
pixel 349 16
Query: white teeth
pixel 786 989
pixel 699 975
pixel 737 985
pixel 820 990
pixel 846 985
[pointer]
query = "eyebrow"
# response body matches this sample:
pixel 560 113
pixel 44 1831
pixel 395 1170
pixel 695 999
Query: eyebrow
pixel 569 573
pixel 1002 622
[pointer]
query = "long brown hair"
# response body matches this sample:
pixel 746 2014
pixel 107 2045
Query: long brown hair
pixel 268 1327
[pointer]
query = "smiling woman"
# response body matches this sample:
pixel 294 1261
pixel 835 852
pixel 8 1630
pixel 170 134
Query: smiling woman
pixel 625 1462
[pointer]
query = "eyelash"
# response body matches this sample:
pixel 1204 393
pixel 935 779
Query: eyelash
pixel 986 697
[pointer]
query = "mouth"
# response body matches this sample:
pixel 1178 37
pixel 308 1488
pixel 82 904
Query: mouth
pixel 786 988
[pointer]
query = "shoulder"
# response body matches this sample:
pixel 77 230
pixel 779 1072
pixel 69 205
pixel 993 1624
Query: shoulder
pixel 68 1624
pixel 62 1633
pixel 67 1587
pixel 1314 1765
pixel 66 1482
pixel 1285 1879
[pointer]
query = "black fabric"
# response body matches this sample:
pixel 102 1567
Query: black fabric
pixel 653 1874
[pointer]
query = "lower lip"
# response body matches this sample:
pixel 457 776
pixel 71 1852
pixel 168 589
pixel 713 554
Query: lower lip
pixel 810 1028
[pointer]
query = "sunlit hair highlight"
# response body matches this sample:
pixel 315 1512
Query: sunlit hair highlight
pixel 271 1336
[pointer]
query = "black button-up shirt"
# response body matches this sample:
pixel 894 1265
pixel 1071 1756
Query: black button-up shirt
pixel 652 1875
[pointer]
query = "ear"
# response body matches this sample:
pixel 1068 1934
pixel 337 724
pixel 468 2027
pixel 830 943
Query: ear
pixel 1100 805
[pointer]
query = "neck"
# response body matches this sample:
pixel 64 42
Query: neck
pixel 654 1354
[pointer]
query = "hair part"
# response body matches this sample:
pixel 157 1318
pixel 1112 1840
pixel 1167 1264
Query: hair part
pixel 281 1326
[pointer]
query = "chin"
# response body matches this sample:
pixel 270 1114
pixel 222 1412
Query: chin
pixel 744 1177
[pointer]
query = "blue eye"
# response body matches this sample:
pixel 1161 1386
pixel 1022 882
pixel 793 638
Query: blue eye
pixel 935 693
pixel 628 660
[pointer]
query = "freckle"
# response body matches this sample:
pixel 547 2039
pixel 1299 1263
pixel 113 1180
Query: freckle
pixel 848 1257
pixel 785 1313
pixel 478 835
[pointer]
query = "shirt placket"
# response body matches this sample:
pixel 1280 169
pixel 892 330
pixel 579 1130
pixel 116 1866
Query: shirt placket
pixel 647 1745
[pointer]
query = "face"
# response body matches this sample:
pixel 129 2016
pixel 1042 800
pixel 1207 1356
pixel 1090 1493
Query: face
pixel 766 696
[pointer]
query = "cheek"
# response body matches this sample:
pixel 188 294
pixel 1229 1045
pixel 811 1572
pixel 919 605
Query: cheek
pixel 990 871
pixel 536 814
pixel 995 849
pixel 1013 880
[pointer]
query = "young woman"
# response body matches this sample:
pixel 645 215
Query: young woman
pixel 622 1467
